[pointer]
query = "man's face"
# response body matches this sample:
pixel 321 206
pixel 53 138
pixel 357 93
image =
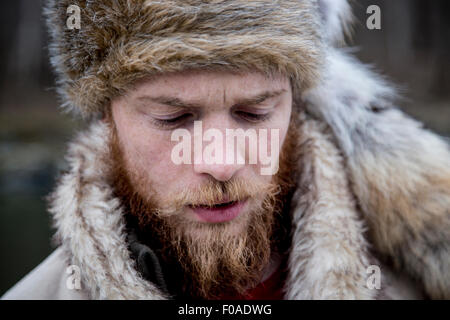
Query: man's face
pixel 219 210
pixel 147 116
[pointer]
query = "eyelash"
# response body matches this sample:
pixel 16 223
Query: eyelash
pixel 168 123
pixel 253 117
pixel 246 116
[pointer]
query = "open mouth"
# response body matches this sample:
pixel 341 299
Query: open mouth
pixel 220 212
pixel 216 206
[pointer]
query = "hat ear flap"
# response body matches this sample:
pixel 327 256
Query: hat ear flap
pixel 337 18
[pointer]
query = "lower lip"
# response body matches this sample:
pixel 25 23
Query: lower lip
pixel 221 214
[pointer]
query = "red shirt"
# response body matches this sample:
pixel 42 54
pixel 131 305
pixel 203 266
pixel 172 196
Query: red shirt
pixel 270 289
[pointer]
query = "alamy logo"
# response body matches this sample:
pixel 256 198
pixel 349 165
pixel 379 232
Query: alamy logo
pixel 73 281
pixel 74 20
pixel 374 20
pixel 374 280
pixel 235 147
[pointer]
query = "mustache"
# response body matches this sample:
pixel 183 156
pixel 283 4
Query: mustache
pixel 215 192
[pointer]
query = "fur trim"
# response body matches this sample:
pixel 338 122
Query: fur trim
pixel 90 224
pixel 127 40
pixel 400 172
pixel 328 258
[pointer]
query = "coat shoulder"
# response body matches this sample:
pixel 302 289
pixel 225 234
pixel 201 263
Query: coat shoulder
pixel 46 282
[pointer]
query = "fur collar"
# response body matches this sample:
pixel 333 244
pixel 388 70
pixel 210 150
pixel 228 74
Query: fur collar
pixel 399 171
pixel 90 224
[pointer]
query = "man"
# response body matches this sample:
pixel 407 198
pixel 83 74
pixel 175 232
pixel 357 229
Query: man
pixel 341 197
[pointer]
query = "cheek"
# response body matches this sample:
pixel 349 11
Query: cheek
pixel 283 124
pixel 150 154
pixel 276 135
pixel 146 150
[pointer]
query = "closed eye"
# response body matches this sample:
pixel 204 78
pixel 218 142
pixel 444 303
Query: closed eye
pixel 175 121
pixel 252 117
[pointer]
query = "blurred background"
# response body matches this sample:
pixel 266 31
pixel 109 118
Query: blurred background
pixel 412 49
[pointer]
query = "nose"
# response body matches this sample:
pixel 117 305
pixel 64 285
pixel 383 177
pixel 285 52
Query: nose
pixel 219 159
pixel 218 166
pixel 220 172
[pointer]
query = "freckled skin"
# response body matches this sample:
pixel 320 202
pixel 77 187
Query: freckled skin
pixel 147 147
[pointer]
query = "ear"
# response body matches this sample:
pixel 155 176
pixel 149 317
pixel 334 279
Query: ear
pixel 337 18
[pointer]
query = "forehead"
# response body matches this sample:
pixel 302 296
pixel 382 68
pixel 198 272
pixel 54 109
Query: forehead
pixel 204 84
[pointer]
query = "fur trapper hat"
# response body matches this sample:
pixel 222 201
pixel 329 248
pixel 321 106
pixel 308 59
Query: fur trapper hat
pixel 122 41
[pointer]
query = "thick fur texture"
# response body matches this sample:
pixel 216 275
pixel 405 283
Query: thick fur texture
pixel 90 224
pixel 330 256
pixel 122 41
pixel 399 171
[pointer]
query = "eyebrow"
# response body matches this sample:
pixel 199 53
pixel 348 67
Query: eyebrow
pixel 176 102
